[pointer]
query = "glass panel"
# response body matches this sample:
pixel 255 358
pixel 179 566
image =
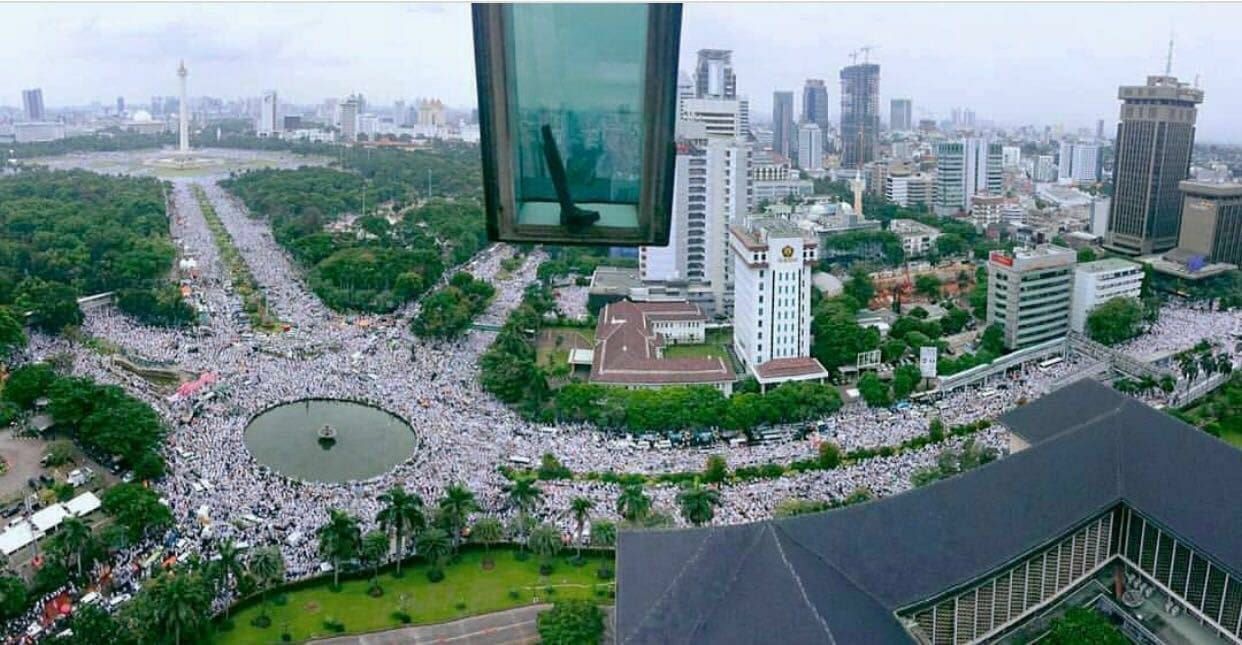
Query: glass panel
pixel 576 99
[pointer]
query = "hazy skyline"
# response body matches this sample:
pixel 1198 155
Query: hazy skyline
pixel 1010 63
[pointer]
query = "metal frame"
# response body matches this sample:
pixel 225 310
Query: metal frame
pixel 659 154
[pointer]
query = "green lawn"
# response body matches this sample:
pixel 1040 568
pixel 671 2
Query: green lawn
pixel 1219 412
pixel 715 345
pixel 548 353
pixel 482 591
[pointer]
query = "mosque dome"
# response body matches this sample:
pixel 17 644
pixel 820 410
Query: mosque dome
pixel 142 115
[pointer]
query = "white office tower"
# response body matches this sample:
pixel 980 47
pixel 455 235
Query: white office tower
pixel 711 191
pixel 269 124
pixel 966 168
pixel 713 75
pixel 1095 283
pixel 1011 156
pixel 1029 293
pixel 772 264
pixel 349 120
pixel 1045 169
pixel 743 116
pixel 720 117
pixel 810 147
pixel 1080 162
pixel 1065 161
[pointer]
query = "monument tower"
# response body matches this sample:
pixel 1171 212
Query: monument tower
pixel 183 120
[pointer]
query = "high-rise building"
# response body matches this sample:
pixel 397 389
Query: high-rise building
pixel 1153 148
pixel 269 121
pixel 1086 163
pixel 349 119
pixel 1095 283
pixel 1011 156
pixel 157 106
pixel 1029 293
pixel 810 147
pixel 120 106
pixel 32 102
pixel 1099 130
pixel 399 114
pixel 710 193
pixel 1212 221
pixel 743 115
pixel 860 113
pixel 907 188
pixel 713 75
pixel 1045 169
pixel 900 115
pixel 815 103
pixel 783 137
pixel 720 117
pixel 772 264
pixel 966 168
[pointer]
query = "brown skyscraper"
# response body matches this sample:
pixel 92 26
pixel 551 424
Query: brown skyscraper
pixel 860 113
pixel 1154 142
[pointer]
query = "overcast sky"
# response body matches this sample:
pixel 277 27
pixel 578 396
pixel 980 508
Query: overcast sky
pixel 1011 63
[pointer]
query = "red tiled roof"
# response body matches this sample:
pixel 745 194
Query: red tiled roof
pixel 625 347
pixel 803 366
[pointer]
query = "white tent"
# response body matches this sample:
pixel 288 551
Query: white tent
pixel 49 518
pixel 16 537
pixel 83 504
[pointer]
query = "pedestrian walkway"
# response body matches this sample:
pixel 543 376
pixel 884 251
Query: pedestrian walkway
pixel 512 627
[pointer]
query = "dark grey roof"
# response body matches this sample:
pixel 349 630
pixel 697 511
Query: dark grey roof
pixel 839 576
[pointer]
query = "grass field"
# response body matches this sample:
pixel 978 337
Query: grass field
pixel 715 345
pixel 548 353
pixel 1220 411
pixel 478 591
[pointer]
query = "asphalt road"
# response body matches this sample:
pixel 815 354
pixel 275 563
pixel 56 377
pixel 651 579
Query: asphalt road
pixel 512 627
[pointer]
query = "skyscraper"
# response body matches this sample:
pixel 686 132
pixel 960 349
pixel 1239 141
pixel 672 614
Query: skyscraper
pixel 783 140
pixel 966 168
pixel 810 147
pixel 860 113
pixel 120 105
pixel 349 119
pixel 269 123
pixel 1154 142
pixel 900 115
pixel 713 75
pixel 815 103
pixel 32 101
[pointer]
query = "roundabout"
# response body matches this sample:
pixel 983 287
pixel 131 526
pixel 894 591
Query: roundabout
pixel 329 440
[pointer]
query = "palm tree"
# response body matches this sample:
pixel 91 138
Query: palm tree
pixel 181 602
pixel 267 565
pixel 1207 364
pixel 545 541
pixel 74 537
pixel 580 507
pixel 339 540
pixel 698 503
pixel 487 531
pixel 524 495
pixel 402 514
pixel 374 547
pixel 227 567
pixel 455 506
pixel 433 545
pixel 633 503
pixel 520 528
pixel 604 534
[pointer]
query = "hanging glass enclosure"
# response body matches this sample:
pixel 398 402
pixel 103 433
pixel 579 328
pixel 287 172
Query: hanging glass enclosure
pixel 577 105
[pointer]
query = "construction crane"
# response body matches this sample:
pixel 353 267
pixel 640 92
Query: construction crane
pixel 866 50
pixel 853 57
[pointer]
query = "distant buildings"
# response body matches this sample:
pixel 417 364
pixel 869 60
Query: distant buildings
pixel 32 103
pixel 269 123
pixel 815 104
pixel 1045 169
pixel 966 168
pixel 860 114
pixel 784 139
pixel 713 75
pixel 349 119
pixel 917 238
pixel 38 131
pixel 772 264
pixel 1080 162
pixel 1153 148
pixel 810 147
pixel 1011 157
pixel 901 115
pixel 431 113
pixel 720 117
pixel 1029 293
pixel 987 209
pixel 1098 282
pixel 908 188
pixel 1212 221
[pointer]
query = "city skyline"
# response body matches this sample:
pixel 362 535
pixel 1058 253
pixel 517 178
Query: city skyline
pixel 82 54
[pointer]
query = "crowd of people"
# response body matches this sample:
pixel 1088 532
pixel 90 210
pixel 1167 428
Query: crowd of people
pixel 463 434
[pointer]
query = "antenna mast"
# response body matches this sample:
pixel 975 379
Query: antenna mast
pixel 1168 61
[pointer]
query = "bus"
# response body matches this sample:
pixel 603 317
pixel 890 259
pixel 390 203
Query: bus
pixel 1045 365
pixel 988 393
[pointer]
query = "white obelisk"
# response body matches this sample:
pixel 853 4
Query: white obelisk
pixel 183 120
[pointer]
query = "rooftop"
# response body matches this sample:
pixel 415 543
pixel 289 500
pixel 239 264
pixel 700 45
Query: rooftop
pixel 1211 189
pixel 628 349
pixel 1107 265
pixel 841 576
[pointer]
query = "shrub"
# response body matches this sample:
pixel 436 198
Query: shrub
pixel 515 594
pixel 461 605
pixel 261 621
pixel 333 625
pixel 604 572
pixel 435 575
pixel 545 569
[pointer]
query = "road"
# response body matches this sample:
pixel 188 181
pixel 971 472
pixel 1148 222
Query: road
pixel 512 627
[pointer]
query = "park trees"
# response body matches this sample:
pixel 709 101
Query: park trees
pixel 874 391
pixel 545 542
pixel 580 509
pixel 434 546
pixel 1115 321
pixel 402 514
pixel 571 622
pixel 373 549
pixel 448 312
pixel 633 504
pixel 698 503
pixel 339 541
pixel 456 505
pixel 12 335
pixel 487 531
pixel 137 509
pixel 267 566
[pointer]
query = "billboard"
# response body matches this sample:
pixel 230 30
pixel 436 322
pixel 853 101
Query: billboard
pixel 869 359
pixel 927 361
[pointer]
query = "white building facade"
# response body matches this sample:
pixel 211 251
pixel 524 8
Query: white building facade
pixel 269 119
pixel 810 147
pixel 1029 293
pixel 1095 283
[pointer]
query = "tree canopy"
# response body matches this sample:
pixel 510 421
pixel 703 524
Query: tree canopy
pixel 1115 321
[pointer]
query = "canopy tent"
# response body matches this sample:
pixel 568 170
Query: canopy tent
pixel 49 518
pixel 16 537
pixel 83 504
